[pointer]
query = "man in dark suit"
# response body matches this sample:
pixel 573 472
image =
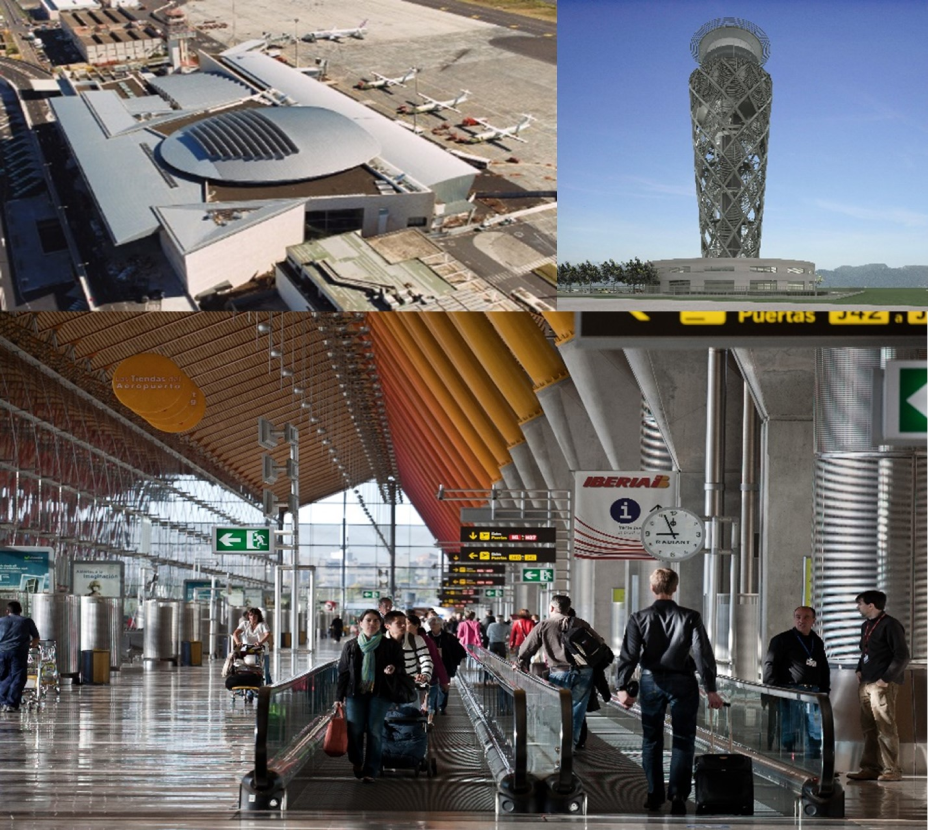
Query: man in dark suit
pixel 796 660
pixel 671 643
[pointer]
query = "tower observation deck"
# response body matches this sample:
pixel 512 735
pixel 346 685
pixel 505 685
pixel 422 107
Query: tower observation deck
pixel 730 98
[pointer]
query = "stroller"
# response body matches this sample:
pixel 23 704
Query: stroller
pixel 248 671
pixel 406 741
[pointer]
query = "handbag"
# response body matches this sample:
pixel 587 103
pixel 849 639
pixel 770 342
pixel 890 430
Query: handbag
pixel 401 688
pixel 228 666
pixel 335 742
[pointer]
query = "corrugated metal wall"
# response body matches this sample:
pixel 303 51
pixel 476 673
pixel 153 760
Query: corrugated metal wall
pixel 869 507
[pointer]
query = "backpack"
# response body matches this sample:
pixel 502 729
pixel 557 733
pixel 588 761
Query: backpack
pixel 580 642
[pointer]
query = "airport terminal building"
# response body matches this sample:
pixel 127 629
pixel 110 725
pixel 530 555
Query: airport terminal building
pixel 735 275
pixel 233 164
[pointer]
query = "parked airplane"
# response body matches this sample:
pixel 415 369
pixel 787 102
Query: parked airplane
pixel 383 82
pixel 495 133
pixel 336 34
pixel 431 105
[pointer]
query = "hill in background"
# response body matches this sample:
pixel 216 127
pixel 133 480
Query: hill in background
pixel 876 275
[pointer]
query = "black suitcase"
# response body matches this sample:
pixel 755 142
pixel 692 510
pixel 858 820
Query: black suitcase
pixel 406 741
pixel 724 782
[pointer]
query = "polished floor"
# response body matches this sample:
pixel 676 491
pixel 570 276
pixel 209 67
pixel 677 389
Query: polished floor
pixel 167 750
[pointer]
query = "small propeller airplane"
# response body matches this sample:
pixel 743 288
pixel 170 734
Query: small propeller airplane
pixel 383 82
pixel 431 105
pixel 337 34
pixel 496 133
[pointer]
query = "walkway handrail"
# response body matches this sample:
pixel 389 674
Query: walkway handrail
pixel 514 678
pixel 826 780
pixel 825 786
pixel 305 704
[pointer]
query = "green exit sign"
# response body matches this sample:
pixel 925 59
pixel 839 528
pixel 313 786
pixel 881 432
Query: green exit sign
pixel 905 402
pixel 243 540
pixel 370 594
pixel 490 593
pixel 538 575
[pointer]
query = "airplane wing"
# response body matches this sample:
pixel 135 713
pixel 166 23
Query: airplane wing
pixel 429 100
pixel 484 123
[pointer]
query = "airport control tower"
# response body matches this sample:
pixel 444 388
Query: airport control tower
pixel 730 97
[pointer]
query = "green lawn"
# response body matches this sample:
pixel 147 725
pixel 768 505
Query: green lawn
pixel 893 297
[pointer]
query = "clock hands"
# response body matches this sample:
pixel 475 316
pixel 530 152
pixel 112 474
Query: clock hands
pixel 669 527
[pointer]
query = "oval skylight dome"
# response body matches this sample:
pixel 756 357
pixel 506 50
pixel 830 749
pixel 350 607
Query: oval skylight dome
pixel 270 144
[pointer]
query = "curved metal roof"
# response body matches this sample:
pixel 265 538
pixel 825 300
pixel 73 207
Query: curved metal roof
pixel 272 144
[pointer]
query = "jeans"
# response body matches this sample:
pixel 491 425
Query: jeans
pixel 681 692
pixel 12 676
pixel 579 681
pixel 437 699
pixel 801 725
pixel 366 715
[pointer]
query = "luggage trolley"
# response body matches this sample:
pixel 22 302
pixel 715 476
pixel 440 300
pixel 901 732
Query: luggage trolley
pixel 248 672
pixel 41 674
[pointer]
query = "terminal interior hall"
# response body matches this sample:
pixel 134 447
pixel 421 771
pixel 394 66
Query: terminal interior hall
pixel 479 422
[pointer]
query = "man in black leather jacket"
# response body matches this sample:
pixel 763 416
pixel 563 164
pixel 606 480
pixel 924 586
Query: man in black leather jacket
pixel 670 643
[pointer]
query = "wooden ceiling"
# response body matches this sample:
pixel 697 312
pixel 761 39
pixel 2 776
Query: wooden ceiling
pixel 314 371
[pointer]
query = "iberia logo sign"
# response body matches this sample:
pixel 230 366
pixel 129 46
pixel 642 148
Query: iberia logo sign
pixel 660 481
pixel 610 508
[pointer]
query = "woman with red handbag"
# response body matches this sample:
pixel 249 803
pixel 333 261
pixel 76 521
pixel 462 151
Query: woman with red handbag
pixel 362 688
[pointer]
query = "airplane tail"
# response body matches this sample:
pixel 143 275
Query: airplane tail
pixel 524 123
pixel 461 98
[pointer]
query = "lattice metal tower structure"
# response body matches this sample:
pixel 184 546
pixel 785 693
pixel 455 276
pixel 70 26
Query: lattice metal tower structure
pixel 730 98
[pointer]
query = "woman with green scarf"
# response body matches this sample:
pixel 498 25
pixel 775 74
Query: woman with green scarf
pixel 362 687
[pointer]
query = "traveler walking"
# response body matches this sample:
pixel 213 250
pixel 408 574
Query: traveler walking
pixel 363 692
pixel 670 643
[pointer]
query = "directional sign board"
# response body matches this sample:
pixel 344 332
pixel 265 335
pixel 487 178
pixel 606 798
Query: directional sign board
pixel 542 535
pixel 243 540
pixel 905 401
pixel 474 579
pixel 443 600
pixel 469 554
pixel 370 594
pixel 492 593
pixel 460 592
pixel 476 568
pixel 603 329
pixel 538 574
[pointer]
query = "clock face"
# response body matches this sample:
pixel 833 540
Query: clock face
pixel 673 534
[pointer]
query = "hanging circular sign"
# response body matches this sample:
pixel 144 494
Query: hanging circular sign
pixel 149 383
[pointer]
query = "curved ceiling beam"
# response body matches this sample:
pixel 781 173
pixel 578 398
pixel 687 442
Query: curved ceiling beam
pixel 499 363
pixel 466 432
pixel 476 378
pixel 525 340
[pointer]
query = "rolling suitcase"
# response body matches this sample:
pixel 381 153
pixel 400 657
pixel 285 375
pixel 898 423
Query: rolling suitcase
pixel 406 742
pixel 724 782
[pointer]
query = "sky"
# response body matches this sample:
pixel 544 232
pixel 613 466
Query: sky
pixel 847 171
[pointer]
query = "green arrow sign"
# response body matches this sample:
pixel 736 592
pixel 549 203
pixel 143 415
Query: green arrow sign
pixel 538 575
pixel 243 540
pixel 370 594
pixel 905 401
pixel 493 592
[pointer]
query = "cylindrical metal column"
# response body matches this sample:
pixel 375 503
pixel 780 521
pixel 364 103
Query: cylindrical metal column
pixel 748 492
pixel 156 644
pixel 96 633
pixel 715 483
pixel 116 630
pixel 58 618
